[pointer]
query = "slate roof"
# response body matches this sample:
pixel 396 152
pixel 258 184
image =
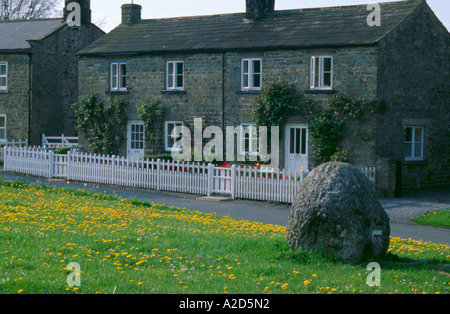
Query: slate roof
pixel 331 26
pixel 14 34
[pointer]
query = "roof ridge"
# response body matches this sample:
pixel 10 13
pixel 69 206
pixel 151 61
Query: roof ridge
pixel 33 20
pixel 313 27
pixel 364 5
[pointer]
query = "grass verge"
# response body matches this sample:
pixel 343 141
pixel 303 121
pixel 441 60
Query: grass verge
pixel 128 246
pixel 440 219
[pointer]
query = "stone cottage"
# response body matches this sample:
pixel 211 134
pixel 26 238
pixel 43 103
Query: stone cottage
pixel 39 74
pixel 213 67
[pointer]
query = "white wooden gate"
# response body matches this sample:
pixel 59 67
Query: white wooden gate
pixel 222 180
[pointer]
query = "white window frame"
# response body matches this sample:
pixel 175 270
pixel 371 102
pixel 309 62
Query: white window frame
pixel 167 136
pixel 118 78
pixel 172 76
pixel 5 139
pixel 321 73
pixel 413 143
pixel 131 140
pixel 248 133
pixel 5 76
pixel 249 72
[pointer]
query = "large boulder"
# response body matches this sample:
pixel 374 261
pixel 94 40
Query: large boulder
pixel 336 211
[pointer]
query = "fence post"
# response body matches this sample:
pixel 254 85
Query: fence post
pixel 5 156
pixel 158 175
pixel 210 178
pixel 69 155
pixel 51 156
pixel 233 182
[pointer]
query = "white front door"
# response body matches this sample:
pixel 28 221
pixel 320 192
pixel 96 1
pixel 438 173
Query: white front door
pixel 296 147
pixel 136 139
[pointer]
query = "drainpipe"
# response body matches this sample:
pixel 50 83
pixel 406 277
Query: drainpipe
pixel 30 95
pixel 223 96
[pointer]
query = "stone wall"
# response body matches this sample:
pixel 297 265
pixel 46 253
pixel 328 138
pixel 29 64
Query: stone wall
pixel 55 80
pixel 15 101
pixel 414 83
pixel 212 84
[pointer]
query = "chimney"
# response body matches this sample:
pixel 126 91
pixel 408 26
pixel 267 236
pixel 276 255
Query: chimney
pixel 85 7
pixel 256 9
pixel 131 13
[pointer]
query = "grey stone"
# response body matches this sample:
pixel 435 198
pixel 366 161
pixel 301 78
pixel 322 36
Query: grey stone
pixel 336 212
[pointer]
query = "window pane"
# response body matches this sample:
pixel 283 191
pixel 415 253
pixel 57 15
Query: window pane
pixel 418 134
pixel 327 64
pixel 170 81
pixel 114 76
pixel 179 131
pixel 297 141
pixel 180 68
pixel 257 80
pixel 245 66
pixel 170 70
pixel 292 141
pixel 245 80
pixel 2 122
pixel 123 69
pixel 3 69
pixel 316 72
pixel 256 66
pixel 418 150
pixel 3 134
pixel 114 69
pixel 170 127
pixel 408 137
pixel 137 136
pixel 3 81
pixel 304 141
pixel 408 150
pixel 123 82
pixel 179 81
pixel 327 79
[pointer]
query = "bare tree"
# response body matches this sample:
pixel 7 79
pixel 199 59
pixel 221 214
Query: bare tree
pixel 26 9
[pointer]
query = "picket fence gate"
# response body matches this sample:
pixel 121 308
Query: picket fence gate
pixel 246 182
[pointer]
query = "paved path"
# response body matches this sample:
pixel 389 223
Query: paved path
pixel 399 210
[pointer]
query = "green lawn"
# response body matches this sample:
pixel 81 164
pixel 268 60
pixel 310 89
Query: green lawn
pixel 439 219
pixel 126 246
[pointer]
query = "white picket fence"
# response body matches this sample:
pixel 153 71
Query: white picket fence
pixel 59 141
pixel 246 182
pixel 11 143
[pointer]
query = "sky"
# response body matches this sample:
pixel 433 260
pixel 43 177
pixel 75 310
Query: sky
pixel 107 13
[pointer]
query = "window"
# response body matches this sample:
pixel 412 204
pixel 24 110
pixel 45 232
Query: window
pixel 321 72
pixel 175 75
pixel 298 141
pixel 137 136
pixel 170 138
pixel 249 139
pixel 3 75
pixel 251 74
pixel 118 76
pixel 2 128
pixel 414 143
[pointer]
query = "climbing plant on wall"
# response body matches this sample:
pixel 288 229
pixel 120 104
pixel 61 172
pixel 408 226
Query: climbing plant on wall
pixel 103 124
pixel 327 121
pixel 275 103
pixel 152 113
pixel 327 124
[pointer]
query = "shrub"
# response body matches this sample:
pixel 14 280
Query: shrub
pixel 103 124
